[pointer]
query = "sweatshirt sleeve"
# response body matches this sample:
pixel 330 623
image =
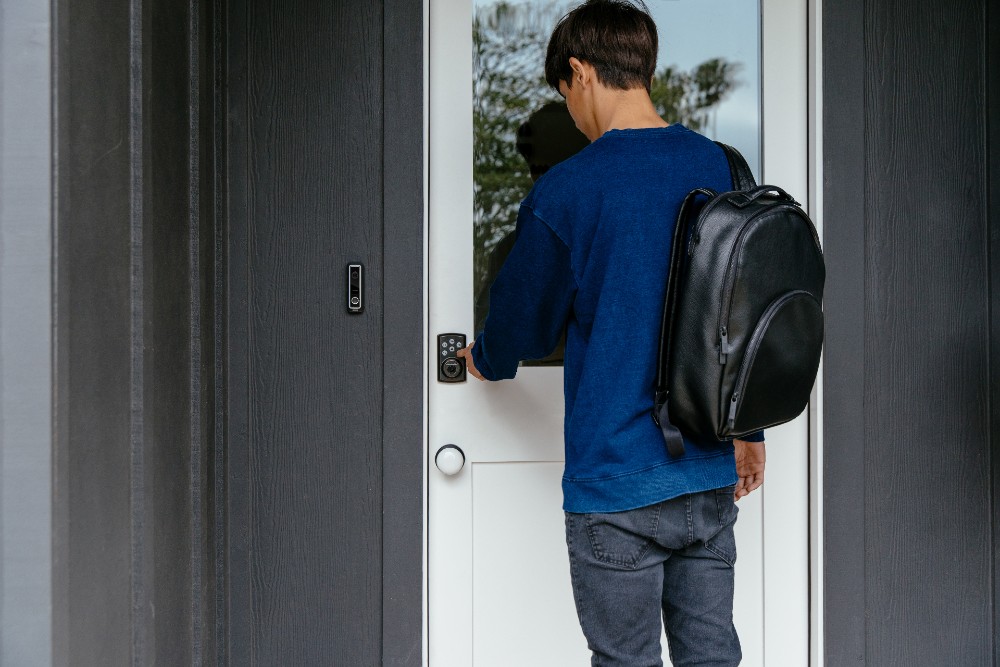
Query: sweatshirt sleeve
pixel 530 300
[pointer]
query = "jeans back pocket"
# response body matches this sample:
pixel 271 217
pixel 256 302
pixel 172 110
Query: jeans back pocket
pixel 623 538
pixel 722 541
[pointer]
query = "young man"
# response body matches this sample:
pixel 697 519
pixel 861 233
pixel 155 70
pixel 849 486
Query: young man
pixel 647 533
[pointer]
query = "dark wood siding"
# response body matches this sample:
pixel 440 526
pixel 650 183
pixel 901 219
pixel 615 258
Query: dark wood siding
pixel 844 302
pixel 910 405
pixel 992 27
pixel 91 541
pixel 306 380
pixel 133 230
pixel 221 422
pixel 403 352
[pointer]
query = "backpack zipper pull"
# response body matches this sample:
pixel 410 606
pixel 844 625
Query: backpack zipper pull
pixel 732 411
pixel 723 345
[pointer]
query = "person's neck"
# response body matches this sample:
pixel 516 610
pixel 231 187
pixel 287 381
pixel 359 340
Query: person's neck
pixel 625 110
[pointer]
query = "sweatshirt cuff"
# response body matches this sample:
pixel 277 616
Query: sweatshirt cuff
pixel 479 359
pixel 753 437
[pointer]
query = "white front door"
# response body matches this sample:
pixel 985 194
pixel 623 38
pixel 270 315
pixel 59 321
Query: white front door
pixel 498 578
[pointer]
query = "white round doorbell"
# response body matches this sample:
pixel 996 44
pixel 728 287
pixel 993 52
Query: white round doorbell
pixel 449 459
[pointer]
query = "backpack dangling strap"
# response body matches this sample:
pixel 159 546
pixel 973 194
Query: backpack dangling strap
pixel 671 434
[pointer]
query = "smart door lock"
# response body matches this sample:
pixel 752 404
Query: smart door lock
pixel 450 367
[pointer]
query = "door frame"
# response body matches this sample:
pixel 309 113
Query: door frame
pixel 802 115
pixel 815 410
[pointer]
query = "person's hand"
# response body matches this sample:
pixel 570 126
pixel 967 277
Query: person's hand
pixel 749 466
pixel 466 353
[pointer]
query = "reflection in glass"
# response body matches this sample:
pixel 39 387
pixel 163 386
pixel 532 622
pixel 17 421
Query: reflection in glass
pixel 707 77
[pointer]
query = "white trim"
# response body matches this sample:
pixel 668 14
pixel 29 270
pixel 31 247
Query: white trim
pixel 785 494
pixel 426 324
pixel 816 657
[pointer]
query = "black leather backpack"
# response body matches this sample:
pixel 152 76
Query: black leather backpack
pixel 742 323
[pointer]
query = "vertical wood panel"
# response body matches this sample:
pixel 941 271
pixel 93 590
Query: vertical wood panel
pixel 844 436
pixel 235 644
pixel 141 612
pixel 206 385
pixel 402 475
pixel 169 282
pixel 128 385
pixel 927 477
pixel 305 458
pixel 991 27
pixel 91 460
pixel 924 279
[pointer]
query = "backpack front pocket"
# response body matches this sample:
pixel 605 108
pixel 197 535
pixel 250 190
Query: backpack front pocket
pixel 779 366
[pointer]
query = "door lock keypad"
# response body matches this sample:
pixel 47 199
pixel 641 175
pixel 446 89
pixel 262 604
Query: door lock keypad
pixel 450 367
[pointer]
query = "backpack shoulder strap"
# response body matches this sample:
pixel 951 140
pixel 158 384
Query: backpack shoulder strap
pixel 678 253
pixel 739 170
pixel 742 179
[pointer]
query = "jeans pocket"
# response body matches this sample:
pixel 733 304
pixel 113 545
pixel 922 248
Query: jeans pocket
pixel 723 542
pixel 723 545
pixel 623 538
pixel 725 502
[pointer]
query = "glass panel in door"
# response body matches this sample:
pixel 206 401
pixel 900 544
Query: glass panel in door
pixel 707 77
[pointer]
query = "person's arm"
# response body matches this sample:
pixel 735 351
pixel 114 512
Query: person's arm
pixel 530 301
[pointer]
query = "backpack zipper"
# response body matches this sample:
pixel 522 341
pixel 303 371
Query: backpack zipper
pixel 723 345
pixel 696 232
pixel 724 348
pixel 758 333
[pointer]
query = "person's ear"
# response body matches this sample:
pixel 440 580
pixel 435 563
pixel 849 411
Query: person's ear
pixel 580 72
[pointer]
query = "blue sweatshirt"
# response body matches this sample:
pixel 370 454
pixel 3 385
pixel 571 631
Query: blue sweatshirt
pixel 591 256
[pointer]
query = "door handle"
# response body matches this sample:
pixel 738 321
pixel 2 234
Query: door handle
pixel 450 459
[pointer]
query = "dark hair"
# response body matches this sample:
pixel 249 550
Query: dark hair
pixel 617 37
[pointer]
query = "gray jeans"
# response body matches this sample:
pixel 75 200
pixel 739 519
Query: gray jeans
pixel 676 558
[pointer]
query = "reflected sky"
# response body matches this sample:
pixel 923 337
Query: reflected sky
pixel 693 31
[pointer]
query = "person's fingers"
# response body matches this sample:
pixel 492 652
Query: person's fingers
pixel 754 482
pixel 748 484
pixel 473 371
pixel 466 353
pixel 740 488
